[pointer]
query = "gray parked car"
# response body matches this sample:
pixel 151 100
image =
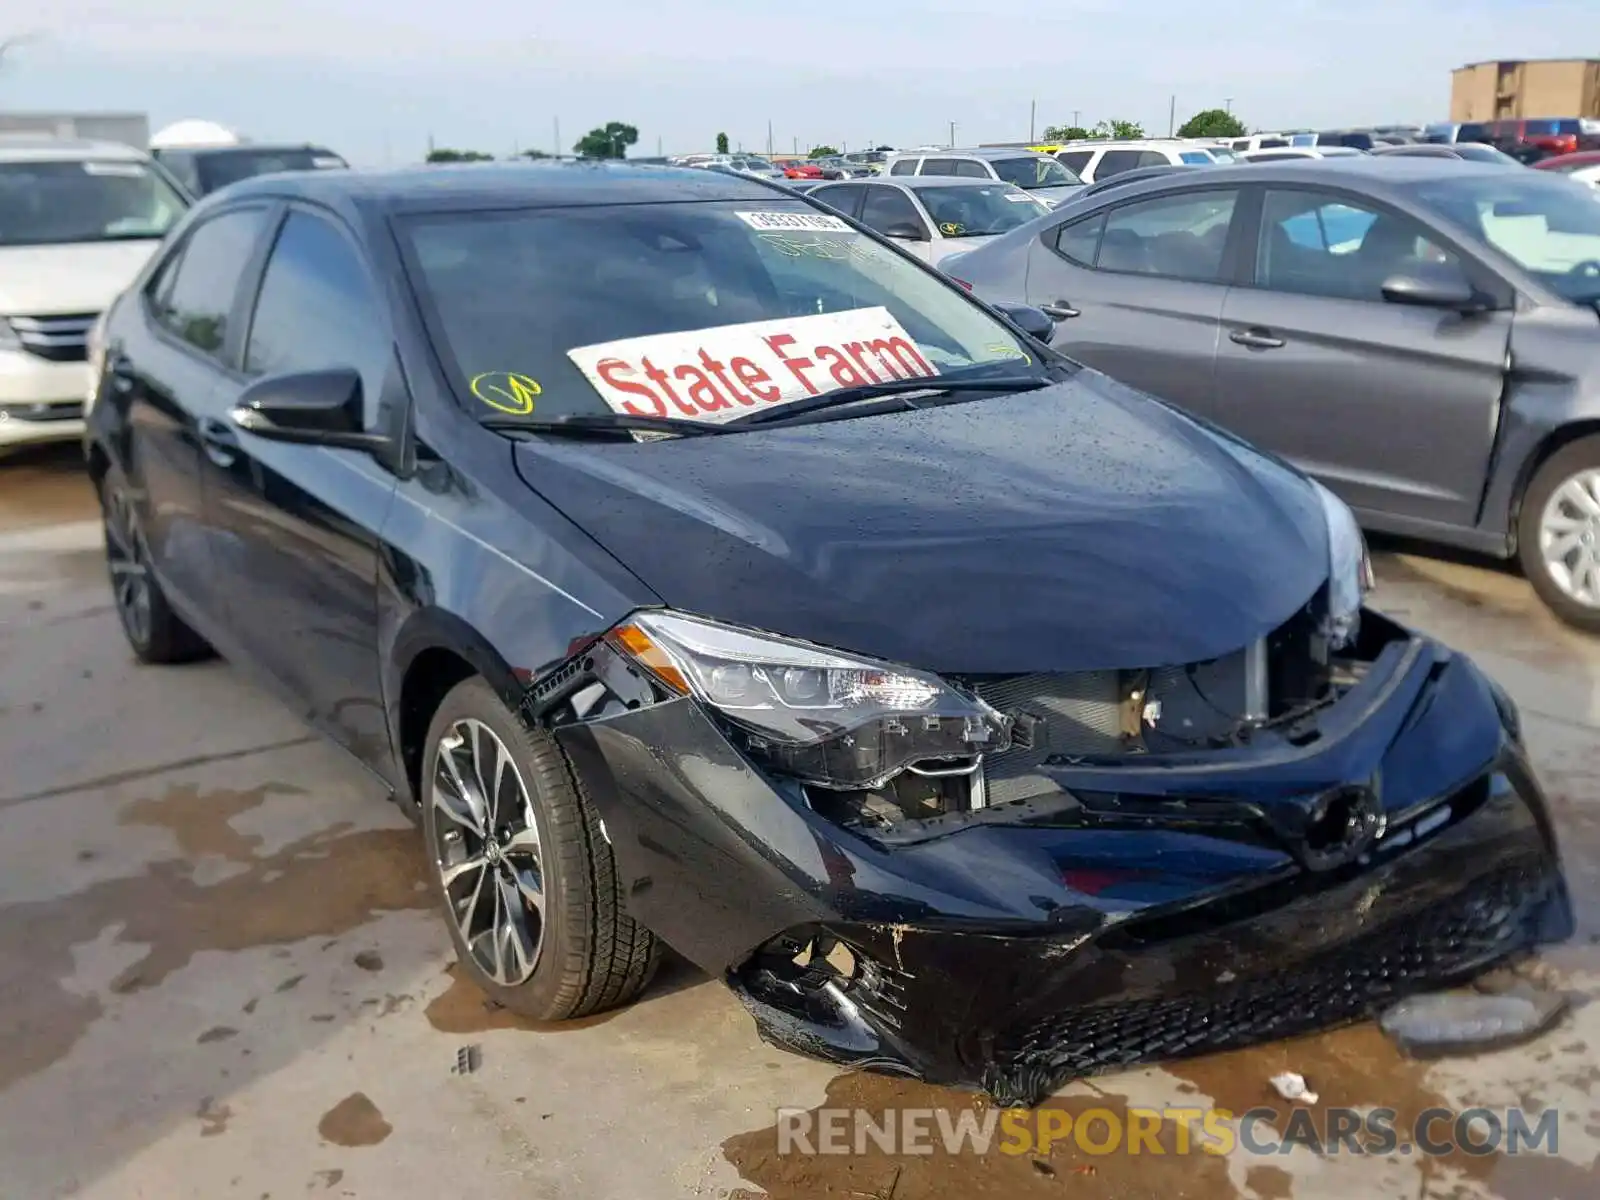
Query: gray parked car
pixel 930 215
pixel 1421 335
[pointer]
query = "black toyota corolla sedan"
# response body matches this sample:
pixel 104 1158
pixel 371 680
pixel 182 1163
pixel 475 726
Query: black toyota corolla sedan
pixel 698 568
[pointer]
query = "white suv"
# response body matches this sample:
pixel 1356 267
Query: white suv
pixel 1094 161
pixel 77 221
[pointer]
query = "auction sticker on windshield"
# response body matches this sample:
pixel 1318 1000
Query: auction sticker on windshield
pixel 721 373
pixel 820 222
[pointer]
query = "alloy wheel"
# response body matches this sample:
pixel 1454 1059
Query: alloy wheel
pixel 128 558
pixel 489 856
pixel 1569 537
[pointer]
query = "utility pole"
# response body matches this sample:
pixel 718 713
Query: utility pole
pixel 1172 115
pixel 952 135
pixel 430 145
pixel 1227 106
pixel 658 146
pixel 1033 113
pixel 797 145
pixel 769 137
pixel 1076 124
pixel 557 147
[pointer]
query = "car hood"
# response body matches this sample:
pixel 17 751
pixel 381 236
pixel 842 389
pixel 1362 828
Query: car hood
pixel 82 277
pixel 1078 527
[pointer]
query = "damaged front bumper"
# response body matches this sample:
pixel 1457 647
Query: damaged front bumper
pixel 1134 912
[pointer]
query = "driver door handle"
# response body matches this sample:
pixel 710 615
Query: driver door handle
pixel 1255 339
pixel 1060 310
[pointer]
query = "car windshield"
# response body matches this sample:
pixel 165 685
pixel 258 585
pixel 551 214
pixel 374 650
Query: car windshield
pixel 979 210
pixel 230 166
pixel 44 203
pixel 1549 225
pixel 693 310
pixel 1039 172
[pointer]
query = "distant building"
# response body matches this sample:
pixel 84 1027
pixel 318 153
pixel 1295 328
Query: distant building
pixel 132 129
pixel 1535 87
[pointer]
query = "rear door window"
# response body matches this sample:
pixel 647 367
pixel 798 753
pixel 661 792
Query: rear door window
pixel 841 197
pixel 1174 237
pixel 1115 162
pixel 904 166
pixel 887 207
pixel 1075 160
pixel 197 308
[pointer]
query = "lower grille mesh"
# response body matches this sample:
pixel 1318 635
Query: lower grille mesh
pixel 1433 948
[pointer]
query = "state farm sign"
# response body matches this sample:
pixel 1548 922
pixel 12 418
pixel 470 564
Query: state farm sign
pixel 721 373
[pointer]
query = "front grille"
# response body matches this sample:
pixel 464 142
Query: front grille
pixel 1055 715
pixel 1436 947
pixel 56 338
pixel 58 410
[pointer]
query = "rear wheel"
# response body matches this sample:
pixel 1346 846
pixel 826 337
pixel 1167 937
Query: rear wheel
pixel 154 631
pixel 522 868
pixel 1558 533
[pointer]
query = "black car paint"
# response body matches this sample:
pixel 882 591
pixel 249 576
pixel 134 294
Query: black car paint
pixel 955 547
pixel 356 585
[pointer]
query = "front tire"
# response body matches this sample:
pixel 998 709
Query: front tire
pixel 1558 533
pixel 521 868
pixel 155 633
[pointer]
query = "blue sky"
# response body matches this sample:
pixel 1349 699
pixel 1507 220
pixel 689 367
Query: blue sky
pixel 375 78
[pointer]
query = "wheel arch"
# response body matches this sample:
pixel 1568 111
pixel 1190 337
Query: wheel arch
pixel 1551 444
pixel 435 651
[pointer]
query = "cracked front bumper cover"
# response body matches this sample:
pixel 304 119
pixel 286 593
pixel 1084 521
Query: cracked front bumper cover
pixel 1023 948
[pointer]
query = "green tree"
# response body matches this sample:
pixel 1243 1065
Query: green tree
pixel 1212 122
pixel 610 140
pixel 823 152
pixel 1122 131
pixel 534 154
pixel 443 155
pixel 1066 133
pixel 722 143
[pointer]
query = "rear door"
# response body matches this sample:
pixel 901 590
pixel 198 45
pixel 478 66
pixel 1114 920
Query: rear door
pixel 168 375
pixel 1137 289
pixel 303 521
pixel 1393 407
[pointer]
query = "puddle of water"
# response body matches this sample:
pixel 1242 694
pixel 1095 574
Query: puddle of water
pixel 354 1121
pixel 45 486
pixel 320 885
pixel 1067 1169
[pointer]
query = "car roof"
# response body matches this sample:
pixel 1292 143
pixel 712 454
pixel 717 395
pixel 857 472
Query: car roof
pixel 31 147
pixel 918 182
pixel 248 148
pixel 988 153
pixel 1363 171
pixel 550 183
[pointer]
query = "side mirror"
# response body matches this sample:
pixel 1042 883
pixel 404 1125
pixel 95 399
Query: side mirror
pixel 905 231
pixel 1034 322
pixel 311 408
pixel 1432 285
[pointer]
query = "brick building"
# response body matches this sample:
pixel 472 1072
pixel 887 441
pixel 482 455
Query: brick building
pixel 1535 87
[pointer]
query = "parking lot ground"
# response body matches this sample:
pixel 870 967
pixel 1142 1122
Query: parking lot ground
pixel 220 975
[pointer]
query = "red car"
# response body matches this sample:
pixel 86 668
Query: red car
pixel 802 170
pixel 1570 162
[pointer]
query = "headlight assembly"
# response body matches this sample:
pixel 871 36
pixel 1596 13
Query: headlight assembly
pixel 825 718
pixel 1349 570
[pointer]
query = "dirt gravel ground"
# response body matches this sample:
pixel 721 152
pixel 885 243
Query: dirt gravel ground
pixel 220 977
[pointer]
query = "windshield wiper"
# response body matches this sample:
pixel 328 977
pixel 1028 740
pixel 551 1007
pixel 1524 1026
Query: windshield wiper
pixel 585 424
pixel 849 395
